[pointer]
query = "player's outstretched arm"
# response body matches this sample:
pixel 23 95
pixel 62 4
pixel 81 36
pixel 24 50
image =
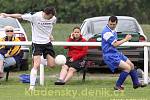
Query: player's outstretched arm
pixel 117 43
pixel 18 16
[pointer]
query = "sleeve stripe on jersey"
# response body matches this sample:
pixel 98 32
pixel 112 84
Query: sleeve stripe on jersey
pixel 107 35
pixel 113 42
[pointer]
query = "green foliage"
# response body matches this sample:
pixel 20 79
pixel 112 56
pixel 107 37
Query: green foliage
pixel 74 11
pixel 146 29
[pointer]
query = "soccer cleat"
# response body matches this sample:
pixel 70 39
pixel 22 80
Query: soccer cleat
pixel 139 85
pixel 122 86
pixel 31 88
pixel 59 82
pixel 119 88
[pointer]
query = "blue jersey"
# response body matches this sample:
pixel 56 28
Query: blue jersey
pixel 111 55
pixel 108 38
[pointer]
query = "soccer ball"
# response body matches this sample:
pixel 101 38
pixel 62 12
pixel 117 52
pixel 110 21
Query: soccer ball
pixel 60 59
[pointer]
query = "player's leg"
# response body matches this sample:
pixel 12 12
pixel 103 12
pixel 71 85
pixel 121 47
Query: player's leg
pixel 70 74
pixel 134 76
pixel 133 73
pixel 124 66
pixel 49 54
pixel 131 64
pixel 33 73
pixel 37 52
pixel 50 61
pixel 123 75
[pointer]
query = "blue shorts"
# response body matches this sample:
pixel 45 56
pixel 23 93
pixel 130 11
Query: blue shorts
pixel 113 60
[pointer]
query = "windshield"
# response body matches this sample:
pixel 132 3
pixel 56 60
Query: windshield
pixel 123 25
pixel 8 21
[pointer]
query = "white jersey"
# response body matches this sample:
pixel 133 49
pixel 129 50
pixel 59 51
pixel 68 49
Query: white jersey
pixel 41 28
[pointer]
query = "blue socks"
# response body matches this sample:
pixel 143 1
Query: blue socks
pixel 122 77
pixel 134 77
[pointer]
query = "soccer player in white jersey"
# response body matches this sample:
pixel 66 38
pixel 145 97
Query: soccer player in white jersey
pixel 42 24
pixel 114 58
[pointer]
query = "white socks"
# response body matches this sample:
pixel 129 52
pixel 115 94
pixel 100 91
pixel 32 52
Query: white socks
pixel 33 76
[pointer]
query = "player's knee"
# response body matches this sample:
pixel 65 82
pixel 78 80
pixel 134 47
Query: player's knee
pixel 72 70
pixel 128 68
pixel 132 66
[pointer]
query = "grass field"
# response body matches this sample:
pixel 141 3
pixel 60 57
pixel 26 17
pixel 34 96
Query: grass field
pixel 97 86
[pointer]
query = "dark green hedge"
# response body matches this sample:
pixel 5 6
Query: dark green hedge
pixel 74 11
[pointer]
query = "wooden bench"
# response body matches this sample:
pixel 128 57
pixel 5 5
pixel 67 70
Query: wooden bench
pixel 92 60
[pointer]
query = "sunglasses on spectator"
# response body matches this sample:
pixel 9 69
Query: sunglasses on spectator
pixel 9 31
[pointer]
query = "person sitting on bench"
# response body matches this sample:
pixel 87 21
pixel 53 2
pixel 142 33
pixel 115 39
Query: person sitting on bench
pixel 74 59
pixel 9 55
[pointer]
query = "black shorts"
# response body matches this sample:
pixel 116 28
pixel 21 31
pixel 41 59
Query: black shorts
pixel 75 64
pixel 43 49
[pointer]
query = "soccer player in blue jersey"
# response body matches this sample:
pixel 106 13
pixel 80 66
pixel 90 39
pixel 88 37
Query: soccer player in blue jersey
pixel 115 59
